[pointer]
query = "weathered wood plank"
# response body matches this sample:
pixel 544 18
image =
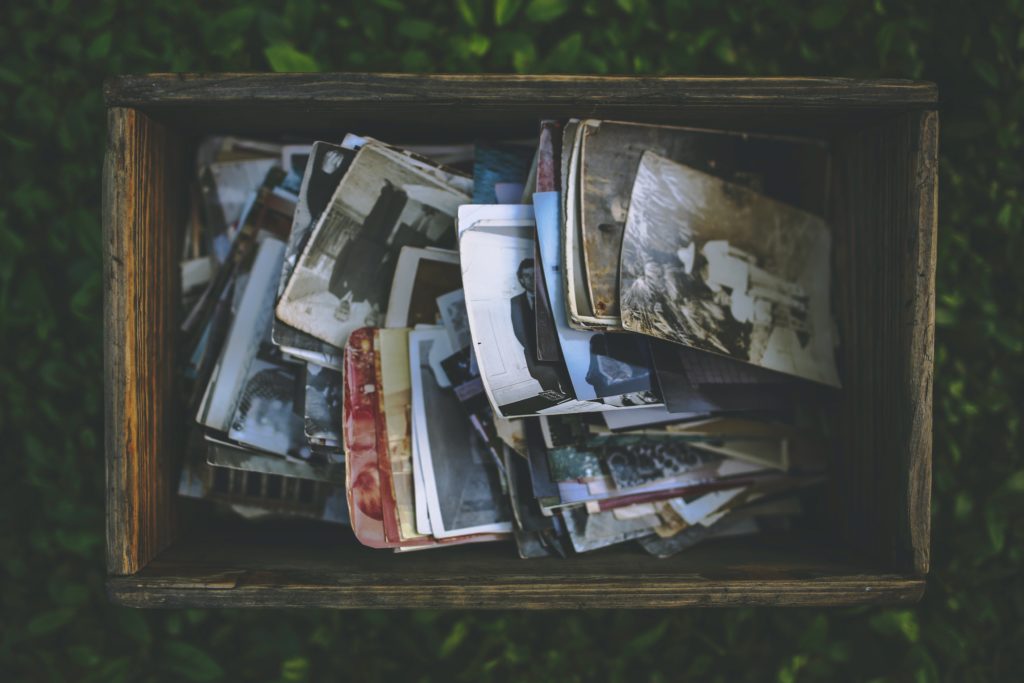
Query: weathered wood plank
pixel 419 107
pixel 884 215
pixel 635 593
pixel 278 567
pixel 505 90
pixel 141 209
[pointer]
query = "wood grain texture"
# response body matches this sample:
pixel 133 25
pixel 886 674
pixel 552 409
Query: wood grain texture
pixel 884 217
pixel 141 212
pixel 511 90
pixel 304 568
pixel 418 107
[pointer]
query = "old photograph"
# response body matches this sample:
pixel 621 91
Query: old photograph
pixel 718 267
pixel 498 273
pixel 792 170
pixel 220 453
pixel 462 476
pixel 323 405
pixel 395 460
pixel 422 275
pixel 253 310
pixel 269 414
pixel 452 308
pixel 600 365
pixel 673 369
pixel 324 170
pixel 635 461
pixel 343 278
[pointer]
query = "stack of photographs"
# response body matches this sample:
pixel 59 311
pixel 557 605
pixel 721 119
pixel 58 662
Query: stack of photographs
pixel 619 333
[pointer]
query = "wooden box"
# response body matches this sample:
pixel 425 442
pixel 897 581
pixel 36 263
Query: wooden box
pixel 871 540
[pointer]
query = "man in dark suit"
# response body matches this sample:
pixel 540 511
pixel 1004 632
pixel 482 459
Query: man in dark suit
pixel 524 322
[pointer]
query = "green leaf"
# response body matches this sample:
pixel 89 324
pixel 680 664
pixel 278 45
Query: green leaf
pixel 645 641
pixel 995 524
pixel 469 10
pixel 100 46
pixel 1016 481
pixel 543 11
pixel 563 56
pixel 454 639
pixel 478 45
pixel 987 72
pixel 189 662
pixel 283 57
pixel 295 669
pixel 506 10
pixel 827 15
pixel 725 51
pixel 893 622
pixel 415 29
pixel 48 622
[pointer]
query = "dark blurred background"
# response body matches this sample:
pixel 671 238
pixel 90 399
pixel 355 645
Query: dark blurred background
pixel 56 622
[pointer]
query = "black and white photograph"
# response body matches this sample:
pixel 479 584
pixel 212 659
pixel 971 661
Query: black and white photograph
pixel 323 406
pixel 221 453
pixel 788 169
pixel 718 267
pixel 452 307
pixel 600 365
pixel 462 476
pixel 634 462
pixel 249 329
pixel 593 531
pixel 327 164
pixel 342 280
pixel 421 276
pixel 498 275
pixel 673 368
pixel 269 415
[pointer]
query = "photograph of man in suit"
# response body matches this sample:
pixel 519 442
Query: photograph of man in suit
pixel 522 310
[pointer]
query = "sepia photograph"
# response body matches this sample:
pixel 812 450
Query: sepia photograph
pixel 718 267
pixel 464 490
pixel 789 169
pixel 343 278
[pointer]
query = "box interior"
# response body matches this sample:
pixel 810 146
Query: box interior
pixel 855 544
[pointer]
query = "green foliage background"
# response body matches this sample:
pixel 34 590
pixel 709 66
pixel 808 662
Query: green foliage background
pixel 56 622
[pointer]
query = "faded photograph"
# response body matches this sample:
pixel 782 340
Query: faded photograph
pixel 323 405
pixel 784 168
pixel 720 268
pixel 452 307
pixel 328 163
pixel 637 462
pixel 523 314
pixel 421 277
pixel 463 477
pixel 498 272
pixel 343 279
pixel 268 416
